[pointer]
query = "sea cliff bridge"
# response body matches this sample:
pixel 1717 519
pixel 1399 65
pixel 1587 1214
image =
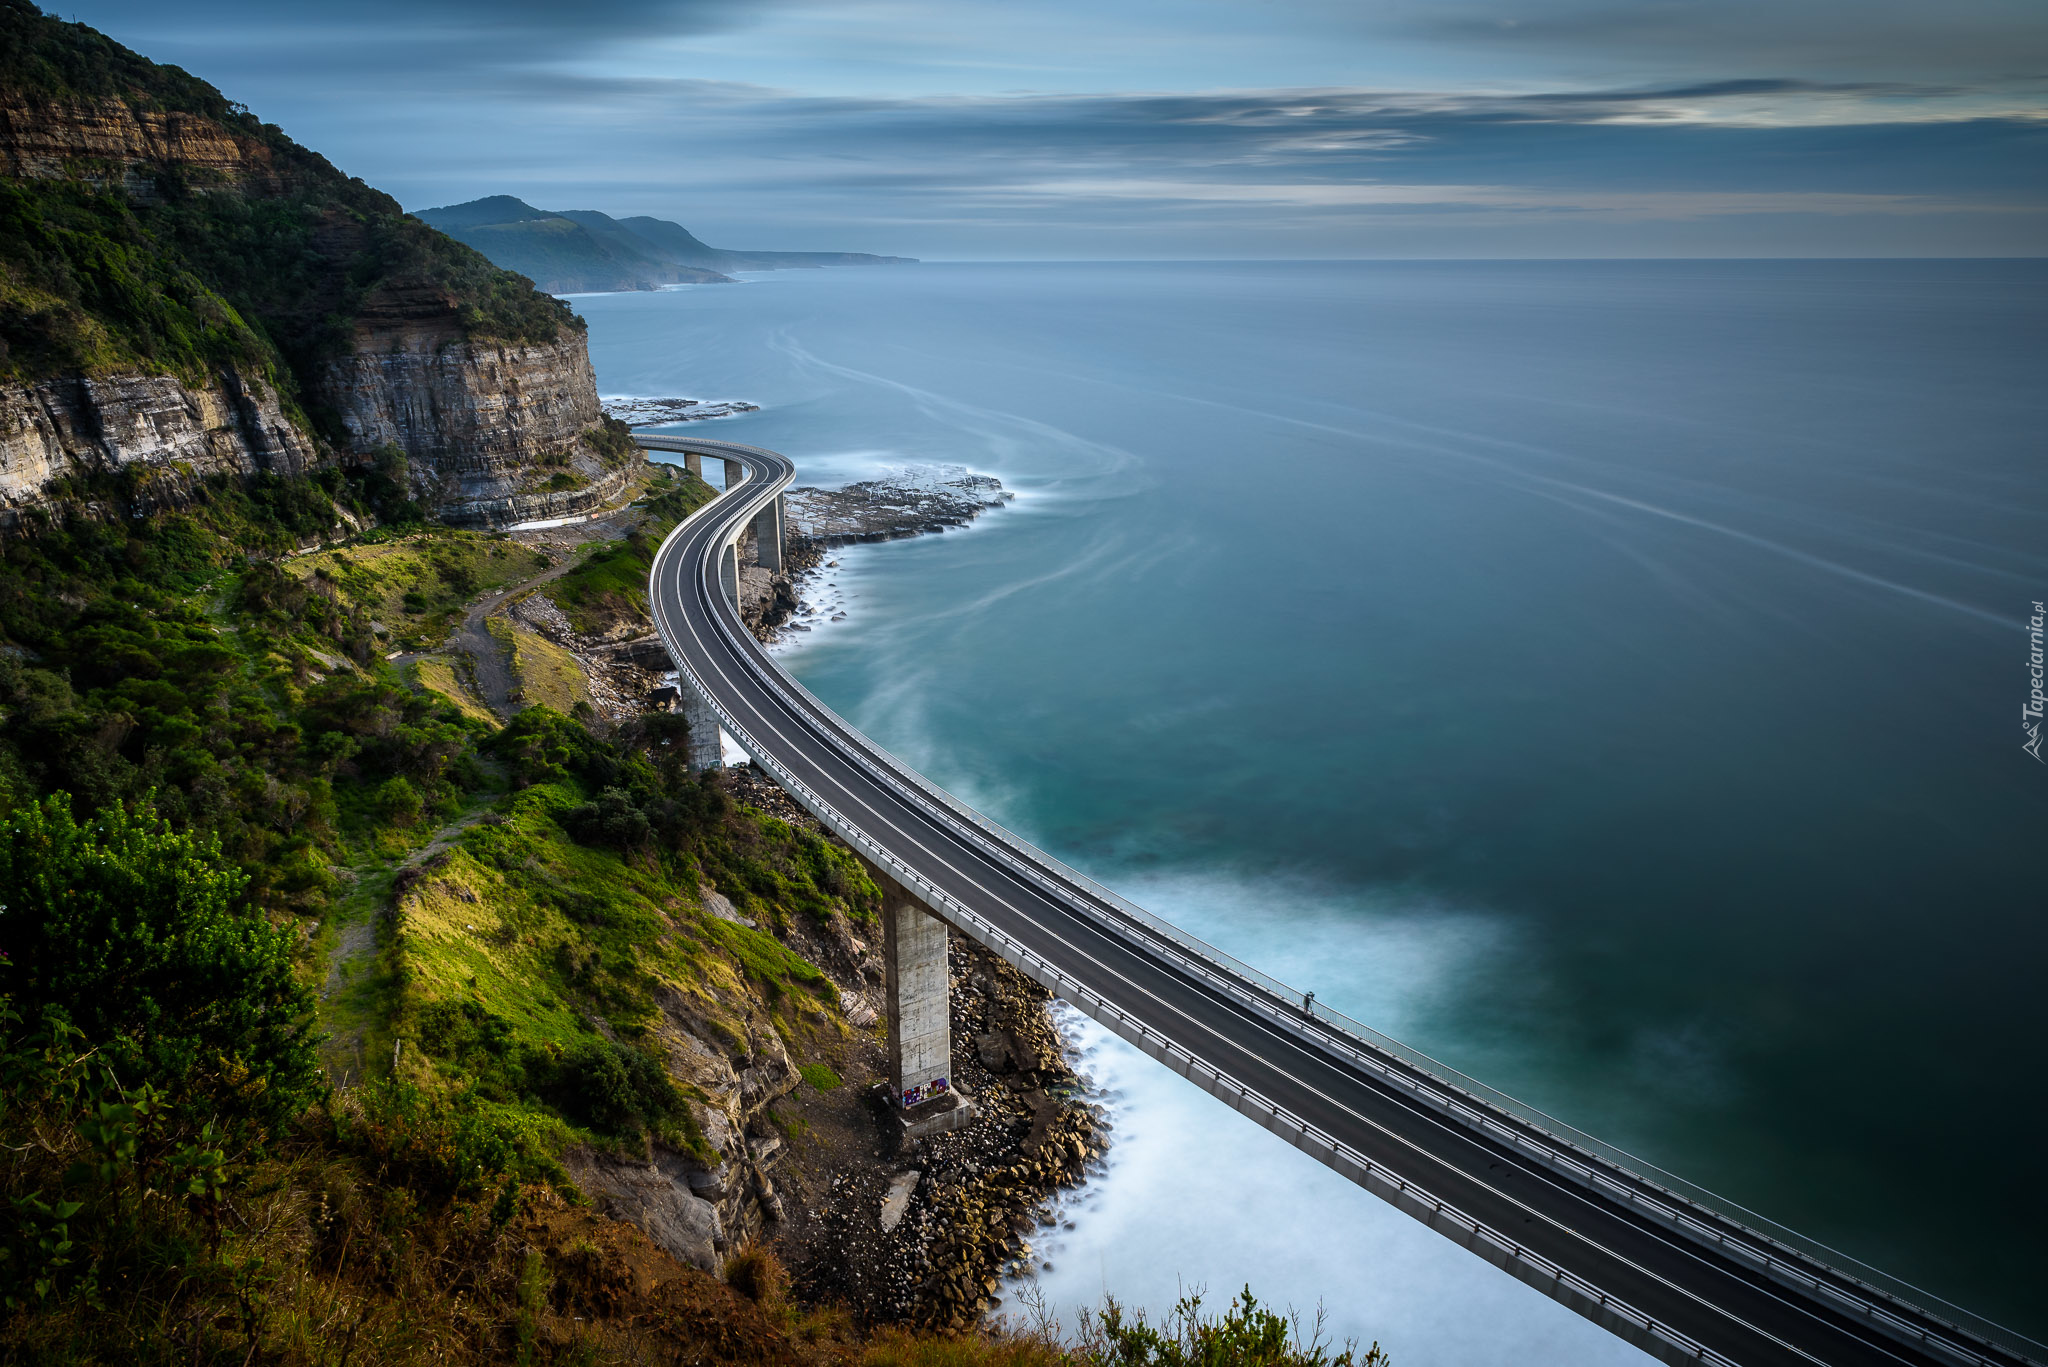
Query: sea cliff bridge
pixel 1673 1269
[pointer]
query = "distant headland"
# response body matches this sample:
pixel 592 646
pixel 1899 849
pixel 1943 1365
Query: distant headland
pixel 578 250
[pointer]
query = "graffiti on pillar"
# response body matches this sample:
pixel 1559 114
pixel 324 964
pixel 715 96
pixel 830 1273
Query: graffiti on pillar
pixel 923 1092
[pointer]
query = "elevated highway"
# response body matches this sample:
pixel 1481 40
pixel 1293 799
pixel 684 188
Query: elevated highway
pixel 1671 1268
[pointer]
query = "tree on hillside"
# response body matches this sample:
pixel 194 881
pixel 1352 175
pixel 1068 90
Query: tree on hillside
pixel 142 938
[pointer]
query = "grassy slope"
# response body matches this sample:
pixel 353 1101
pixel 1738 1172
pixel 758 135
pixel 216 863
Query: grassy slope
pixel 610 583
pixel 442 675
pixel 531 927
pixel 543 673
pixel 418 585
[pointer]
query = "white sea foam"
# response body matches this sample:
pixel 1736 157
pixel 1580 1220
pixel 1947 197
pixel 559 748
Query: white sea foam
pixel 1715 557
pixel 1194 1195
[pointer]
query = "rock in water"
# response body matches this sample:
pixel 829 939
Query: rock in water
pixel 637 412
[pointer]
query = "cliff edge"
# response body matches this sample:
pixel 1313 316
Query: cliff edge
pixel 187 293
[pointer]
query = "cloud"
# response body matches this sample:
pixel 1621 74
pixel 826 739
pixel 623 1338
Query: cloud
pixel 1635 205
pixel 1874 39
pixel 1325 172
pixel 695 110
pixel 400 43
pixel 1593 140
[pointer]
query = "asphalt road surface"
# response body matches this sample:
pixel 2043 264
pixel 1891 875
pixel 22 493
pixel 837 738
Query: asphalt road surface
pixel 1700 1289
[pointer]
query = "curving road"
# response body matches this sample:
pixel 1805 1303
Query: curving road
pixel 1685 1282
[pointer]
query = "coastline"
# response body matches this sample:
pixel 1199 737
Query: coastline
pixel 777 605
pixel 931 1234
pixel 955 1210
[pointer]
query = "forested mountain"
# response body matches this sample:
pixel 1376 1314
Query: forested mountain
pixel 581 249
pixel 186 292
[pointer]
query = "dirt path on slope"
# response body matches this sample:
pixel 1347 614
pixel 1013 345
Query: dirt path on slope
pixel 490 663
pixel 359 937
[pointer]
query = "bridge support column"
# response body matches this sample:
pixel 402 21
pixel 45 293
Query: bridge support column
pixel 920 1018
pixel 768 535
pixel 729 573
pixel 735 474
pixel 694 463
pixel 706 742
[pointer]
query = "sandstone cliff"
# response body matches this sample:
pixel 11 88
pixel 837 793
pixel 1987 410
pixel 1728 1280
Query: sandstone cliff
pixel 141 425
pixel 486 427
pixel 186 293
pixel 107 143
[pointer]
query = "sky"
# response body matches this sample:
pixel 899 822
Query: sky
pixel 1088 129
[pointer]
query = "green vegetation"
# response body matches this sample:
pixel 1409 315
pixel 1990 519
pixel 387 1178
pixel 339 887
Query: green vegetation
pixel 52 61
pixel 545 675
pixel 205 766
pixel 614 444
pixel 417 584
pixel 139 939
pixel 247 705
pixel 150 657
pixel 1247 1334
pixel 611 580
pixel 87 288
pixel 444 676
pixel 267 272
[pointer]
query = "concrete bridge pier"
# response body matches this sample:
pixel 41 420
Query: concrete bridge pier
pixel 706 741
pixel 694 463
pixel 735 475
pixel 768 535
pixel 919 988
pixel 729 573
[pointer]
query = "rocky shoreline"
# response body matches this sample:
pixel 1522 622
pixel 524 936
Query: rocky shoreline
pixel 923 1235
pixel 638 412
pixel 919 1235
pixel 913 503
pixel 908 504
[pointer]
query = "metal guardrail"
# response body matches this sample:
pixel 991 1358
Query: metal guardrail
pixel 1701 1214
pixel 1785 1252
pixel 1615 1315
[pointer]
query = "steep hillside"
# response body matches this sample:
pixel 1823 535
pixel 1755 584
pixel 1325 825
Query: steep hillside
pixel 581 249
pixel 237 843
pixel 673 240
pixel 564 253
pixel 338 1010
pixel 185 292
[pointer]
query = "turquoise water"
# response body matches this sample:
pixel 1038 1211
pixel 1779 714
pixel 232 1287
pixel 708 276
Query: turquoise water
pixel 1604 676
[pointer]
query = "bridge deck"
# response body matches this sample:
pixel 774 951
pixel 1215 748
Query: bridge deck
pixel 1684 1283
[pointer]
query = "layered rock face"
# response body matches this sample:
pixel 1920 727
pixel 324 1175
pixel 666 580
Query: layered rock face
pixel 485 427
pixel 406 338
pixel 106 142
pixel 141 423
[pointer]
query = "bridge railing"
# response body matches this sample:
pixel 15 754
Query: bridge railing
pixel 1783 1251
pixel 1604 1162
pixel 1664 1340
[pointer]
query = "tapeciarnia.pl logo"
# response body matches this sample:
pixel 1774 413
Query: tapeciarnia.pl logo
pixel 2030 715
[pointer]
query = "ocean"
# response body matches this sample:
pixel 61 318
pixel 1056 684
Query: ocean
pixel 1606 677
